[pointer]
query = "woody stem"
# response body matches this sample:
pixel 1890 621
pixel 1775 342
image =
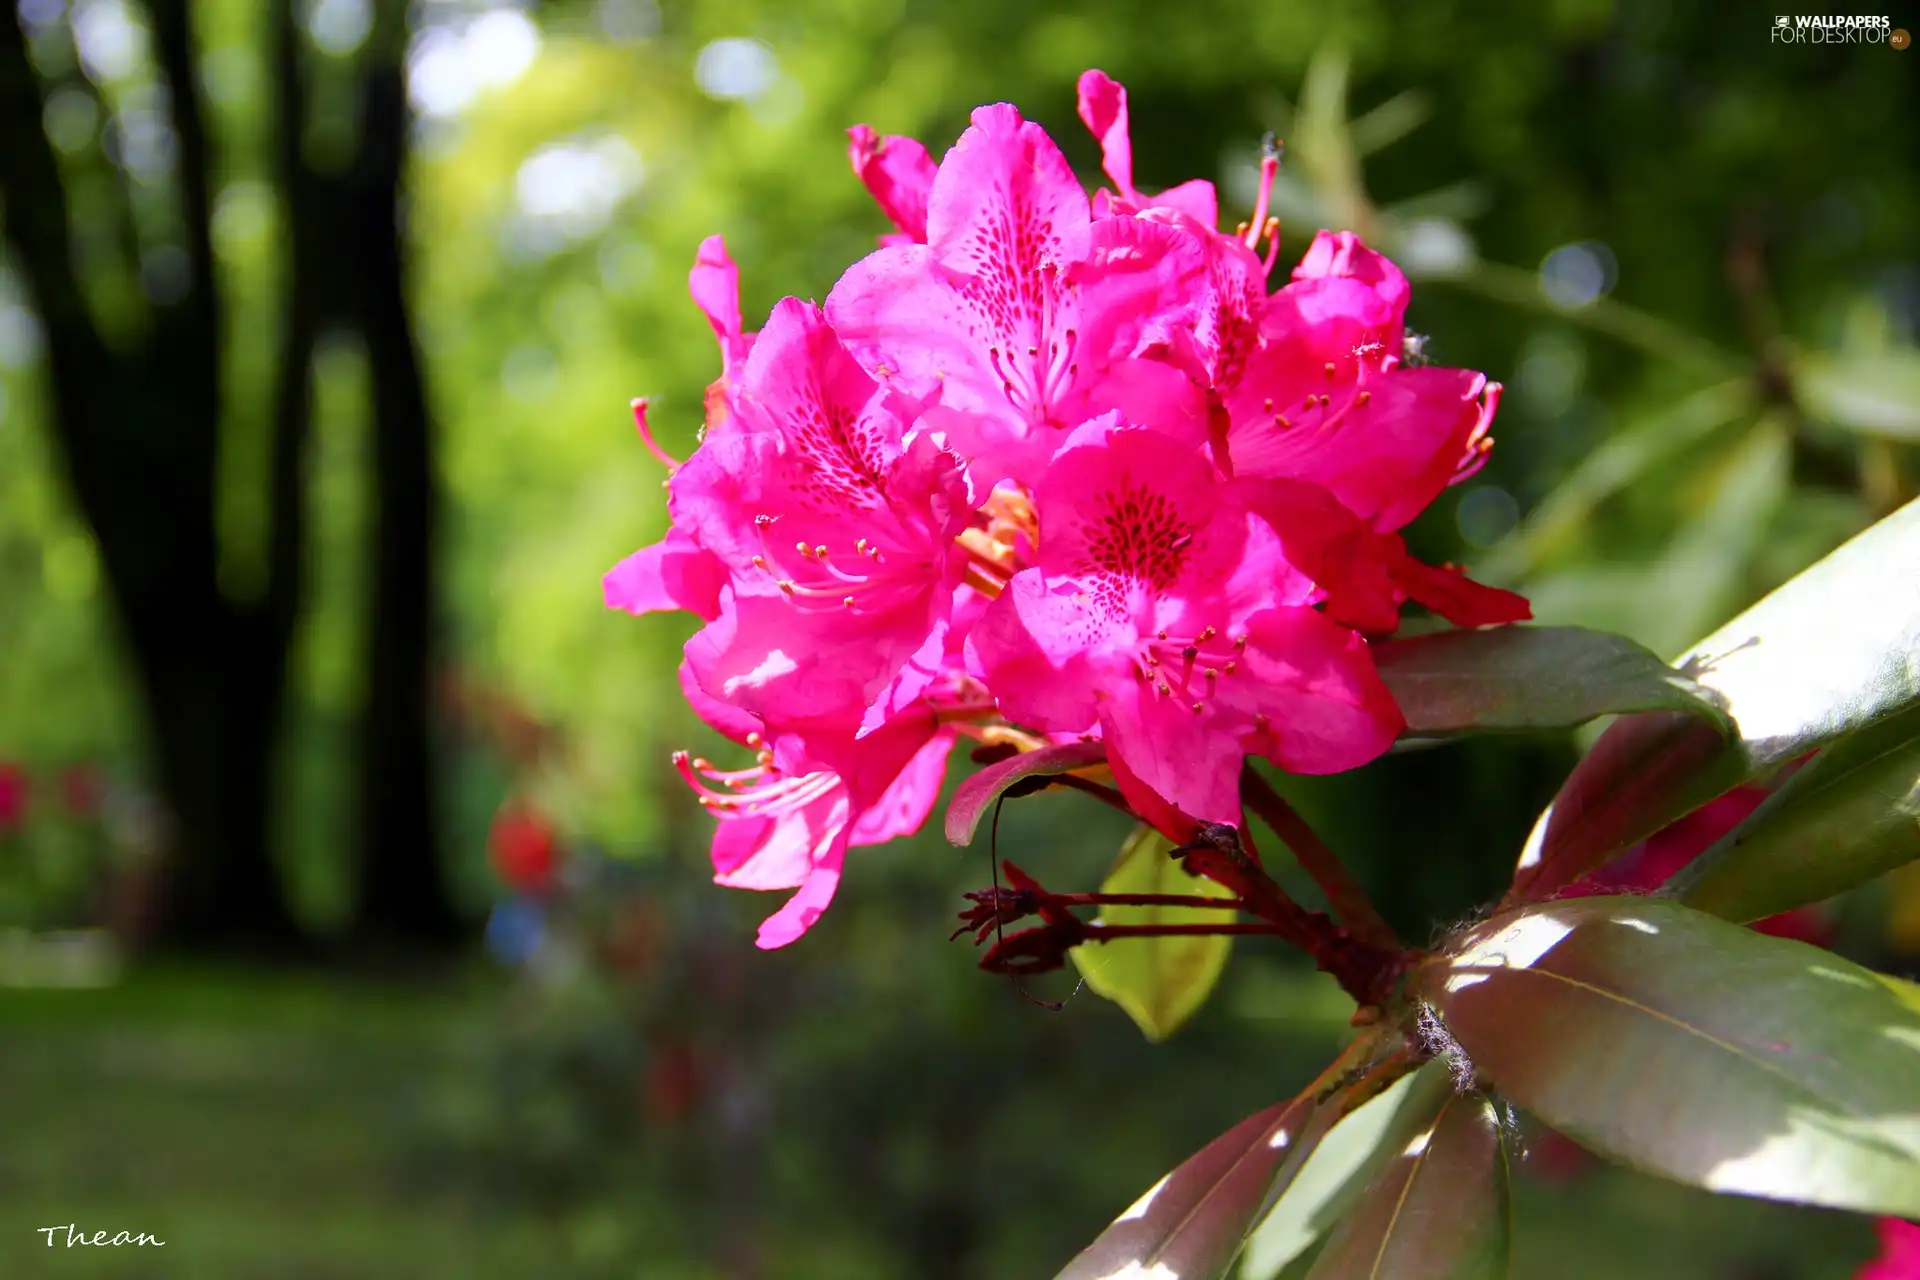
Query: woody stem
pixel 1365 970
pixel 1346 897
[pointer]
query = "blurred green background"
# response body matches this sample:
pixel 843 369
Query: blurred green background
pixel 307 683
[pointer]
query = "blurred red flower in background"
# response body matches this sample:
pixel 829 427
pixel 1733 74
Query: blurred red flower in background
pixel 13 797
pixel 522 847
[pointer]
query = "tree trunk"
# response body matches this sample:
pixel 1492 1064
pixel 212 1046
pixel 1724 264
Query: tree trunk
pixel 137 431
pixel 402 889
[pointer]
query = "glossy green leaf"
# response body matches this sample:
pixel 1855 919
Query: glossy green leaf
pixel 1439 1211
pixel 1877 393
pixel 1518 678
pixel 1160 982
pixel 977 794
pixel 1191 1223
pixel 1849 816
pixel 1834 650
pixel 1686 1046
pixel 1341 1166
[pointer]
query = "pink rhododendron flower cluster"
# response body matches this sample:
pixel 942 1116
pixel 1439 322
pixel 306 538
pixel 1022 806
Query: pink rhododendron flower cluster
pixel 1047 467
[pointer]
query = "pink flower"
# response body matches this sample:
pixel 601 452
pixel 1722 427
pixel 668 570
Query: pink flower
pixel 1164 613
pixel 899 174
pixel 676 573
pixel 1103 107
pixel 1326 397
pixel 714 283
pixel 988 316
pixel 790 827
pixel 1054 460
pixel 1899 1253
pixel 837 524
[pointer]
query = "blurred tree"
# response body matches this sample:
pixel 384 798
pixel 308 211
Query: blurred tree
pixel 138 410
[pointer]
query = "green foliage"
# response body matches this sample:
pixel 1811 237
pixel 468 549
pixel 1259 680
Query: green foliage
pixel 1438 1211
pixel 1191 1222
pixel 1678 1043
pixel 1158 981
pixel 1529 678
pixel 1846 818
pixel 1341 1167
pixel 1787 674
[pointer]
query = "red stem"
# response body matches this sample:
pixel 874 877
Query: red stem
pixel 1365 970
pixel 1348 900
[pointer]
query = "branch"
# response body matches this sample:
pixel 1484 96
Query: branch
pixel 1366 971
pixel 1348 900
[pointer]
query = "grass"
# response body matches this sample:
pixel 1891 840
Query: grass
pixel 272 1125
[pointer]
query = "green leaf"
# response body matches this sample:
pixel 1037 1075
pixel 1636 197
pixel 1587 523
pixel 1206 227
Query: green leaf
pixel 1192 1222
pixel 1160 982
pixel 1878 394
pixel 1518 678
pixel 1834 650
pixel 1849 816
pixel 1689 1047
pixel 977 794
pixel 1438 1212
pixel 1341 1166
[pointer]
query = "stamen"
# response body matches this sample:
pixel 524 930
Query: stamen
pixel 1252 229
pixel 666 459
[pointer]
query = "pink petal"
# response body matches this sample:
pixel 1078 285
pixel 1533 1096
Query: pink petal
pixel 1005 207
pixel 1457 598
pixel 674 573
pixel 1195 198
pixel 714 283
pixel 1384 443
pixel 898 173
pixel 1103 108
pixel 1038 648
pixel 722 717
pixel 1342 254
pixel 805 907
pixel 1324 705
pixel 1190 761
pixel 904 806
